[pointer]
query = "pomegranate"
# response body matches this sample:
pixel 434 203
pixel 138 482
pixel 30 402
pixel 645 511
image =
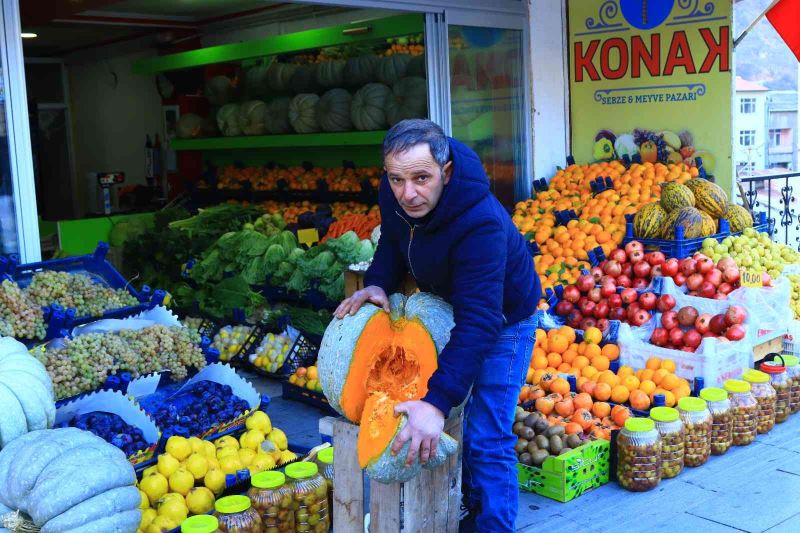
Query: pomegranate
pixel 666 302
pixel 595 294
pixel 735 315
pixel 731 274
pixel 704 265
pixel 655 258
pixel 725 288
pixel 688 266
pixel 640 283
pixel 656 271
pixel 572 294
pixel 687 316
pixel 707 290
pixel 614 301
pixel 679 279
pixel 660 337
pixel 735 333
pixel 642 269
pixel 587 307
pixel 623 281
pixel 587 323
pixel 601 310
pixel 726 263
pixel 612 268
pixel 717 324
pixel 636 256
pixel 694 281
pixel 692 338
pixel 597 274
pixel 618 313
pixel 633 246
pixel 669 320
pixel 574 319
pixel 641 317
pixel 714 277
pixel 603 324
pixel 676 337
pixel 585 283
pixel 720 296
pixel 631 312
pixel 607 289
pixel 702 323
pixel 648 301
pixel 627 269
pixel 670 267
pixel 564 308
pixel 766 280
pixel 628 296
pixel 618 255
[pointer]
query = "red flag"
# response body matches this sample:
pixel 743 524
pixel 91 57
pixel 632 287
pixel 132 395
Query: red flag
pixel 785 18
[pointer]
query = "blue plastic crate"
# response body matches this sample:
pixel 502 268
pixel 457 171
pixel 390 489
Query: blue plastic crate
pixel 678 248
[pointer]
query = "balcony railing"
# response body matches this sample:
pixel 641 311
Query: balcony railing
pixel 775 192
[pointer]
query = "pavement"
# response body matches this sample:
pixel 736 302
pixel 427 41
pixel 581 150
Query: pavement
pixel 753 489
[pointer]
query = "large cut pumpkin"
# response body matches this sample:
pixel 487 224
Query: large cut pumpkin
pixel 372 361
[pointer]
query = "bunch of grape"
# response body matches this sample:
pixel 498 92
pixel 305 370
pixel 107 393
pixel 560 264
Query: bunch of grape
pixel 19 316
pixel 76 291
pixel 165 348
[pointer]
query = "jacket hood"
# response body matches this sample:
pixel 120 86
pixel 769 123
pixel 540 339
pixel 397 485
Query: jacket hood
pixel 468 185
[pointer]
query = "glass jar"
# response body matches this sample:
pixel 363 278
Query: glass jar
pixel 670 428
pixel 722 419
pixel 324 462
pixel 272 498
pixel 745 412
pixel 792 363
pixel 697 422
pixel 236 515
pixel 202 523
pixel 782 383
pixel 310 492
pixel 766 398
pixel 639 455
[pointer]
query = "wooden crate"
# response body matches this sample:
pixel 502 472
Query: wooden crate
pixel 772 345
pixel 354 281
pixel 429 503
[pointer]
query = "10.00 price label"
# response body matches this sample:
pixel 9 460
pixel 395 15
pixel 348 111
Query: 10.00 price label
pixel 752 279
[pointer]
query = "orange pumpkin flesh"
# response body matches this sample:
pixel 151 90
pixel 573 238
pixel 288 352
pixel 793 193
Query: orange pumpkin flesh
pixel 379 425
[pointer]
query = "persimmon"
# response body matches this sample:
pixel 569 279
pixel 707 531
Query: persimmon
pixel 589 387
pixel 560 386
pixel 546 380
pixel 582 417
pixel 572 428
pixel 544 405
pixel 619 414
pixel 639 400
pixel 565 407
pixel 583 401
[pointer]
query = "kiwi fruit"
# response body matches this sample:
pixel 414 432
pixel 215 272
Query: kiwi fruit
pixel 530 420
pixel 556 445
pixel 564 450
pixel 521 446
pixel 573 441
pixel 554 431
pixel 528 433
pixel 526 459
pixel 517 428
pixel 541 426
pixel 532 447
pixel 520 416
pixel 539 457
pixel 541 442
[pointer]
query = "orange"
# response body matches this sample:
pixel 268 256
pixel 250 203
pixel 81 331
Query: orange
pixel 539 361
pixel 681 392
pixel 609 378
pixel 588 372
pixel 659 375
pixel 669 399
pixel 639 400
pixel 654 363
pixel 564 367
pixel 580 361
pixel 624 371
pixel 593 335
pixel 569 356
pixel 558 344
pixel 647 387
pixel 554 359
pixel 602 392
pixel 568 333
pixel 560 386
pixel 592 351
pixel 669 382
pixel 646 374
pixel 684 383
pixel 668 364
pixel 601 363
pixel 611 351
pixel 620 394
pixel 630 382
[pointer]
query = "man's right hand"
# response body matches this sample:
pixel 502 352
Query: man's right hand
pixel 372 294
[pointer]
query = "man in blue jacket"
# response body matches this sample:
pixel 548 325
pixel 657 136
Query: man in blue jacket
pixel 440 223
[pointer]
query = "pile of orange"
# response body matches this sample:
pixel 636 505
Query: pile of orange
pixel 557 351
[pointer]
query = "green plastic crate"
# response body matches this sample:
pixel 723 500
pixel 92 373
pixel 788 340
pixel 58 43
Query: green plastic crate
pixel 567 476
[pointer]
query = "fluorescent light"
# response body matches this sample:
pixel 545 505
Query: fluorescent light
pixel 28 35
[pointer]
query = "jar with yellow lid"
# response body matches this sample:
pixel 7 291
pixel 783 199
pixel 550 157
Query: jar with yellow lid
pixel 202 523
pixel 722 419
pixel 310 494
pixel 765 396
pixel 639 455
pixel 324 462
pixel 698 421
pixel 670 428
pixel 272 498
pixel 745 412
pixel 792 363
pixel 236 515
pixel 782 383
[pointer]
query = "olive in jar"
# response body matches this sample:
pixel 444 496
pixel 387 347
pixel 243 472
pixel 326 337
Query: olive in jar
pixel 310 497
pixel 782 383
pixel 202 523
pixel 765 397
pixel 272 498
pixel 639 455
pixel 745 412
pixel 236 515
pixel 697 422
pixel 670 428
pixel 721 419
pixel 793 370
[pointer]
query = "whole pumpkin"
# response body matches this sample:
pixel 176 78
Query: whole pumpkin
pixel 228 120
pixel 276 116
pixel 409 99
pixel 220 90
pixel 373 360
pixel 303 113
pixel 190 125
pixel 304 79
pixel 361 70
pixel 69 480
pixel 256 84
pixel 331 73
pixel 252 116
pixel 333 111
pixel 392 69
pixel 416 67
pixel 279 75
pixel 369 107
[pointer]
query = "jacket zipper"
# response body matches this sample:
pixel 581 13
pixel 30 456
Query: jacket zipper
pixel 410 239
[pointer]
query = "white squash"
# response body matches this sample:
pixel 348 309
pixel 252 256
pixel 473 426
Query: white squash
pixel 228 120
pixel 251 117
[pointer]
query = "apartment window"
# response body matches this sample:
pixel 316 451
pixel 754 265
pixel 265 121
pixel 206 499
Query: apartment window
pixel 774 137
pixel 747 137
pixel 747 105
pixel 744 168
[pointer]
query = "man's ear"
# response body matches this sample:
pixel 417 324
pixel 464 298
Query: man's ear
pixel 447 172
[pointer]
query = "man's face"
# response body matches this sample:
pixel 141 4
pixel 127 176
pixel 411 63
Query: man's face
pixel 416 179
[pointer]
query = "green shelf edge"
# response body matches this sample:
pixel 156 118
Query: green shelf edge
pixel 353 138
pixel 384 28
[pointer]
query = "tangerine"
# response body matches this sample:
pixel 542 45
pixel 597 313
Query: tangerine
pixel 631 382
pixel 554 359
pixel 654 363
pixel 602 391
pixel 560 386
pixel 659 375
pixel 601 363
pixel 647 386
pixel 639 400
pixel 670 382
pixel 620 394
pixel 668 364
pixel 567 332
pixel 580 362
pixel 611 351
pixel 624 371
pixel 558 343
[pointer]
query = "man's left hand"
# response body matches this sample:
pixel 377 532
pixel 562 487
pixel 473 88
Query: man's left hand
pixel 424 427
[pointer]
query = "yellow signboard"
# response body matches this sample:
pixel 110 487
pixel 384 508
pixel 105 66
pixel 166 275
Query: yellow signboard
pixel 750 278
pixel 307 236
pixel 651 79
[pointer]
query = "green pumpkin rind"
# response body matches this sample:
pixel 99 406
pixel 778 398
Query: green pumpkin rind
pixel 12 422
pixel 738 217
pixel 648 223
pixel 104 506
pixel 333 111
pixel 276 116
pixel 709 197
pixel 368 110
pixel 416 67
pixel 304 79
pixel 675 196
pixel 393 68
pixel 361 70
pixel 279 75
pixel 303 113
pixel 409 99
pixel 331 73
pixel 388 468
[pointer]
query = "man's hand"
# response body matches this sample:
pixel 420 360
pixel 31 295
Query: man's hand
pixel 424 427
pixel 371 294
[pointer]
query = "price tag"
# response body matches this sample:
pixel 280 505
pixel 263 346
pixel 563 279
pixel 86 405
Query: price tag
pixel 308 236
pixel 752 279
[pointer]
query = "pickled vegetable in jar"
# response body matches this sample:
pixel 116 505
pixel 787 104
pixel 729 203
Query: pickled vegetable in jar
pixel 236 515
pixel 697 422
pixel 765 396
pixel 273 499
pixel 792 363
pixel 310 494
pixel 722 419
pixel 202 523
pixel 324 462
pixel 745 412
pixel 670 428
pixel 639 455
pixel 782 383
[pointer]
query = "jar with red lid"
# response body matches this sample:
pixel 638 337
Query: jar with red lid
pixel 765 396
pixel 775 367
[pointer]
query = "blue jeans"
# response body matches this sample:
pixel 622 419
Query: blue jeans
pixel 490 463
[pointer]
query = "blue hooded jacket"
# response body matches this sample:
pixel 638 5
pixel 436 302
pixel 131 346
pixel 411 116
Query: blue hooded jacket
pixel 467 251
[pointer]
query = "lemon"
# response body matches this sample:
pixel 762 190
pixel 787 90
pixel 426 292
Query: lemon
pixel 259 420
pixel 161 524
pixel 155 486
pixel 197 444
pixel 227 451
pixel 200 500
pixel 230 465
pixel 178 447
pixel 279 438
pixel 215 481
pixel 167 464
pixel 168 497
pixel 148 515
pixel 145 500
pixel 209 449
pixel 175 510
pixel 181 481
pixel 261 462
pixel 225 441
pixel 150 470
pixel 197 465
pixel 252 439
pixel 246 456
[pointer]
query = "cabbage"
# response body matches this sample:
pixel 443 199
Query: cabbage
pixel 228 120
pixel 251 117
pixel 189 125
pixel 625 145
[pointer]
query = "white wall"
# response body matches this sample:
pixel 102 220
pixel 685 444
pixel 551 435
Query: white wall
pixel 111 118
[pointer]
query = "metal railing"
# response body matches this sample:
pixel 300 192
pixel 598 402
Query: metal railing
pixel 757 192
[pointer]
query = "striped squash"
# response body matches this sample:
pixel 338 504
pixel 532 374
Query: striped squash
pixel 649 221
pixel 738 217
pixel 688 218
pixel 709 197
pixel 675 196
pixel 709 224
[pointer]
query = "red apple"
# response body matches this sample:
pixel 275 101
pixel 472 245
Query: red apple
pixel 595 294
pixel 735 333
pixel 725 288
pixel 694 281
pixel 692 338
pixel 648 301
pixel 587 308
pixel 670 267
pixel 679 279
pixel 633 246
pixel 636 256
pixel 597 273
pixel 572 294
pixel 714 277
pixel 601 310
pixel 704 265
pixel 614 301
pixel 618 313
pixel 642 269
pixel 612 268
pixel 628 296
pixel 607 289
pixel 641 317
pixel 585 283
pixel 735 315
pixel 618 255
pixel 688 266
pixel 587 323
pixel 717 324
pixel 707 290
pixel 603 324
pixel 687 316
pixel 660 337
pixel 669 320
pixel 656 271
pixel 725 263
pixel 702 323
pixel 623 281
pixel 666 302
pixel 676 337
pixel 655 258
pixel 574 319
pixel 731 275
